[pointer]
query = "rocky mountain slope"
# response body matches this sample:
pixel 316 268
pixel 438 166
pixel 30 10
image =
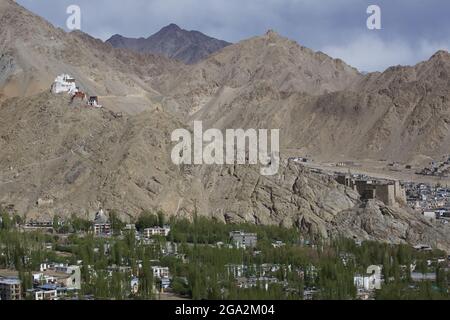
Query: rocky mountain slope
pixel 336 112
pixel 269 60
pixel 375 221
pixel 33 52
pixel 62 158
pixel 80 158
pixel 172 42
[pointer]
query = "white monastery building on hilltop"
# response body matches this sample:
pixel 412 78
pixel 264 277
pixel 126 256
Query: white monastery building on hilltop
pixel 64 83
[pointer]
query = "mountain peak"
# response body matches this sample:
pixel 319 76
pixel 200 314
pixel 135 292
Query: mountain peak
pixel 440 54
pixel 171 27
pixel 271 33
pixel 173 42
pixel 116 36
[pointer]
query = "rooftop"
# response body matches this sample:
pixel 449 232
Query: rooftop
pixel 10 281
pixel 158 228
pixel 8 273
pixel 48 286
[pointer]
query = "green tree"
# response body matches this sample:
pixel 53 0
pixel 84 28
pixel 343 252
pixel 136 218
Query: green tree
pixel 6 221
pixel 161 219
pixel 55 223
pixel 146 220
pixel 116 223
pixel 146 277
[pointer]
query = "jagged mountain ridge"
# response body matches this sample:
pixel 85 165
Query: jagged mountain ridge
pixel 172 42
pixel 400 113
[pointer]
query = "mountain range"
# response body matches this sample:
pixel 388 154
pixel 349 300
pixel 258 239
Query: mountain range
pixel 61 158
pixel 173 42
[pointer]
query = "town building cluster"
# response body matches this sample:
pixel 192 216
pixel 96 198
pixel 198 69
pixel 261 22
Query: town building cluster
pixel 56 281
pixel 51 282
pixel 266 274
pixel 431 201
pixel 437 168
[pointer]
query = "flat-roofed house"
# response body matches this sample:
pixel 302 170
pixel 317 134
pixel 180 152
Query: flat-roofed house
pixel 10 289
pixel 160 272
pixel 157 231
pixel 243 239
pixel 62 275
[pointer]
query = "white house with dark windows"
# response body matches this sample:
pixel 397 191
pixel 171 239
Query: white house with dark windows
pixel 157 231
pixel 243 239
pixel 160 272
pixel 102 226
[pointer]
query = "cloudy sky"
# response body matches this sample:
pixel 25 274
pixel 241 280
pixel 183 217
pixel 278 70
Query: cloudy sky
pixel 412 30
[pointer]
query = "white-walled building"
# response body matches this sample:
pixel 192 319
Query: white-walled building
pixel 10 289
pixel 243 239
pixel 62 274
pixel 160 272
pixel 64 83
pixel 40 295
pixel 134 283
pixel 367 283
pixel 156 231
pixel 102 226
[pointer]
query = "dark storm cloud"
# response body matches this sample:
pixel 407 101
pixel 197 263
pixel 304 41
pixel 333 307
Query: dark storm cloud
pixel 412 30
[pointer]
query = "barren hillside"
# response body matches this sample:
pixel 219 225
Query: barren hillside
pixel 398 114
pixel 33 52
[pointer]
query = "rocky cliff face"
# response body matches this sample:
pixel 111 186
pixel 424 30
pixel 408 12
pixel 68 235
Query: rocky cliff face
pixel 82 157
pixel 61 158
pixel 375 221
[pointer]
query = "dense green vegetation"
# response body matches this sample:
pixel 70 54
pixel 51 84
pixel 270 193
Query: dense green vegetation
pixel 204 231
pixel 201 269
